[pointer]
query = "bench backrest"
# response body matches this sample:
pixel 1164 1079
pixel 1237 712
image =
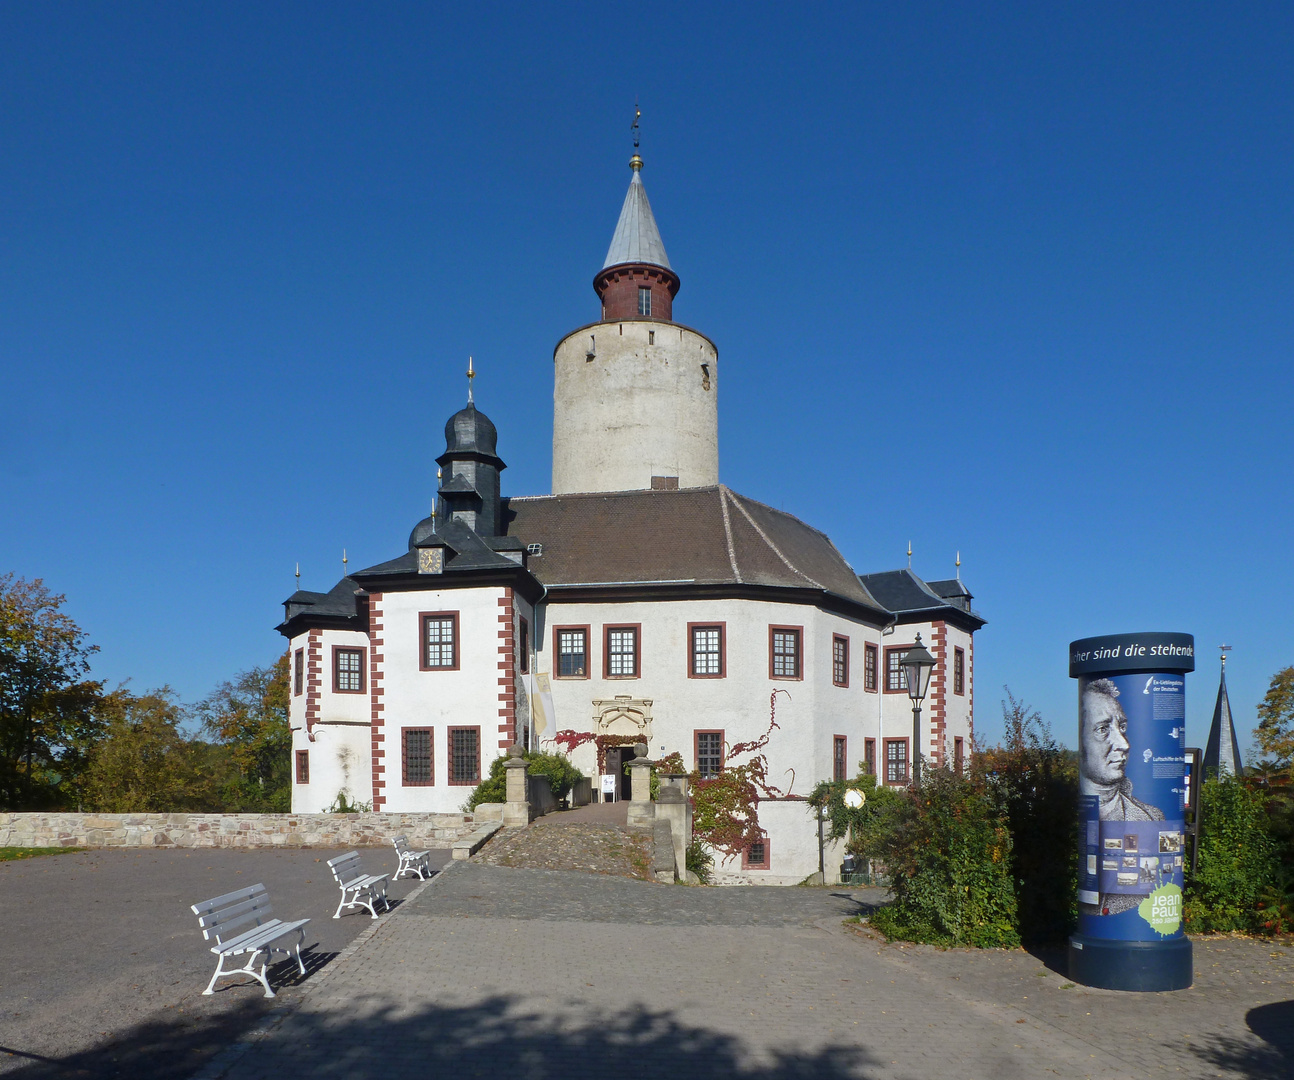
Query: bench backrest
pixel 224 917
pixel 346 867
pixel 401 844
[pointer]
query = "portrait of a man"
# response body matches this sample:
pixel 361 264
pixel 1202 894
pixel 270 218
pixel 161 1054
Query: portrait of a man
pixel 1103 755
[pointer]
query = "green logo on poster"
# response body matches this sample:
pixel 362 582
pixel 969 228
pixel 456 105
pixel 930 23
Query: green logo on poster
pixel 1163 909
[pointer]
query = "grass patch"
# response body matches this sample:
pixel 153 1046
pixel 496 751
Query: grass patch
pixel 9 854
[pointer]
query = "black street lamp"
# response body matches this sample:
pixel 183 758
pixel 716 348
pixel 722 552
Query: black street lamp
pixel 917 664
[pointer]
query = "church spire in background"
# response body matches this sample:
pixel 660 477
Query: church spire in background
pixel 1222 752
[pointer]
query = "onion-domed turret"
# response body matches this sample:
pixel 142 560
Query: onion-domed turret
pixel 470 431
pixel 469 480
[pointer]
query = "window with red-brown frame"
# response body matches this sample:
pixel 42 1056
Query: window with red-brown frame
pixel 303 766
pixel 464 755
pixel 438 640
pixel 869 668
pixel 869 756
pixel 959 671
pixel 299 672
pixel 620 651
pixel 839 757
pixel 347 670
pixel 756 855
pixel 896 679
pixel 896 761
pixel 786 652
pixel 705 650
pixel 417 757
pixel 571 659
pixel 707 747
pixel 839 660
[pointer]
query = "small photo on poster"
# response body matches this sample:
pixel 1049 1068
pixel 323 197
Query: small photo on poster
pixel 1109 864
pixel 1091 864
pixel 1177 860
pixel 1129 862
pixel 1113 843
pixel 1130 842
pixel 1127 879
pixel 1170 842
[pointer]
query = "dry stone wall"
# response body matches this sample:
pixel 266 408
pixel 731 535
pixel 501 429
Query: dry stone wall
pixel 231 830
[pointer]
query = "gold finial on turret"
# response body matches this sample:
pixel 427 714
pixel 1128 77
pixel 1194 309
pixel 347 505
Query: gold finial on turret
pixel 909 554
pixel 298 577
pixel 958 564
pixel 1224 649
pixel 471 374
pixel 344 562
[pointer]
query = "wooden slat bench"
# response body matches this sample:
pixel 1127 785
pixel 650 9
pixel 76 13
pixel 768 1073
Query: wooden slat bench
pixel 411 862
pixel 356 885
pixel 243 923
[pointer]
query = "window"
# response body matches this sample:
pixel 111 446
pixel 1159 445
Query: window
pixel 347 670
pixel 571 644
pixel 959 756
pixel 896 679
pixel 896 761
pixel 706 650
pixel 644 300
pixel 709 753
pixel 418 757
pixel 869 668
pixel 755 855
pixel 839 758
pixel 298 671
pixel 464 755
pixel 959 671
pixel 523 645
pixel 784 645
pixel 839 660
pixel 439 640
pixel 869 756
pixel 303 766
pixel 621 652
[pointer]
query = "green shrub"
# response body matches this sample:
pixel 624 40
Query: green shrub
pixel 1236 870
pixel 698 859
pixel 557 768
pixel 947 850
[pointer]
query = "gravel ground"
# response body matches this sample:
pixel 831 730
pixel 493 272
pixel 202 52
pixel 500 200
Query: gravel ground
pixel 99 951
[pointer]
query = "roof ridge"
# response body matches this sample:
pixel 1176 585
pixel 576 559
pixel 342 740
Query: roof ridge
pixel 724 495
pixel 655 492
pixel 775 549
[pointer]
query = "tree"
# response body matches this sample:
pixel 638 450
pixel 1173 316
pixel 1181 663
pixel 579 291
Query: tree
pixel 248 716
pixel 46 713
pixel 144 764
pixel 1275 734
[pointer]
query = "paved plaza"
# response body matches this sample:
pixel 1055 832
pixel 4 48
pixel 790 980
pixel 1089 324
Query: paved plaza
pixel 495 972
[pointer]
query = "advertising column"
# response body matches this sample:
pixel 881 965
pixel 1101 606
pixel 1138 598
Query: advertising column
pixel 1131 799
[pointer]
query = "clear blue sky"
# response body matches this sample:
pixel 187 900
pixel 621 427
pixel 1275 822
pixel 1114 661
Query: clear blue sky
pixel 1035 262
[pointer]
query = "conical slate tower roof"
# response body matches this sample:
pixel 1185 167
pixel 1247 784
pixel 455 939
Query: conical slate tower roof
pixel 636 239
pixel 1222 754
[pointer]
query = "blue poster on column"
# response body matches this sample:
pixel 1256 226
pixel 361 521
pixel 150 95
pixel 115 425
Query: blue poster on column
pixel 1132 791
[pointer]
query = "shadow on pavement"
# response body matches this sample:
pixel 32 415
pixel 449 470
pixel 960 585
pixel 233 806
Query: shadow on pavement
pixel 1052 957
pixel 490 1039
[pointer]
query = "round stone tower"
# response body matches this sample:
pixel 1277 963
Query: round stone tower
pixel 635 395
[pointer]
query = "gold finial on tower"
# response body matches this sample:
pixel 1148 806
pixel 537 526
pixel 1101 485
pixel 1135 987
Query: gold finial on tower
pixel 1224 649
pixel 909 554
pixel 959 566
pixel 471 374
pixel 636 162
pixel 298 577
pixel 344 562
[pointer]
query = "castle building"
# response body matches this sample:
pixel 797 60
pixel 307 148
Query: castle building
pixel 662 606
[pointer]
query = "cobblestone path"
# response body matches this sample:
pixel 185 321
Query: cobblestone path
pixel 589 847
pixel 539 974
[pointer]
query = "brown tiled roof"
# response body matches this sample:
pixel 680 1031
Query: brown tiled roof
pixel 702 535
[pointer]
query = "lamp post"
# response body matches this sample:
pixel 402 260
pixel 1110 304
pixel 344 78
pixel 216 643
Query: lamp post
pixel 917 664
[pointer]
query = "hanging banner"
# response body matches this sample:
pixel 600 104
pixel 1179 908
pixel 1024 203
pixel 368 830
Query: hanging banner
pixel 1132 798
pixel 542 714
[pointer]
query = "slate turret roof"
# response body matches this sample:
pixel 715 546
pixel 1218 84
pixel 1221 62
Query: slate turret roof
pixel 914 600
pixel 636 239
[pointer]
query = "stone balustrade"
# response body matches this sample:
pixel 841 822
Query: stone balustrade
pixel 230 830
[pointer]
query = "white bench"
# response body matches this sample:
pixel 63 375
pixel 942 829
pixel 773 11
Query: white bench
pixel 411 862
pixel 356 885
pixel 225 919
